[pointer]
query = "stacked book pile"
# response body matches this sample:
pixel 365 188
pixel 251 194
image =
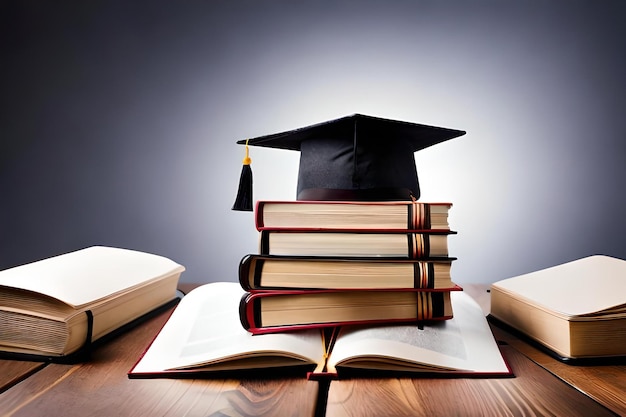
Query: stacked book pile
pixel 331 263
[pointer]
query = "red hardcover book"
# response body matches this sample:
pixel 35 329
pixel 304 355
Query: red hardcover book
pixel 267 272
pixel 280 311
pixel 376 215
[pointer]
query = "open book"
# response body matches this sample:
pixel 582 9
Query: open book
pixel 577 310
pixel 203 337
pixel 53 309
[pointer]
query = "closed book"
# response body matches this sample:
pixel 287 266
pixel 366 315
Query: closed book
pixel 355 242
pixel 379 215
pixel 576 310
pixel 203 338
pixel 267 272
pixel 55 308
pixel 279 311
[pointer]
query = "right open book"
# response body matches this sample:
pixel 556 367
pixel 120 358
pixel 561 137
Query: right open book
pixel 204 337
pixel 576 311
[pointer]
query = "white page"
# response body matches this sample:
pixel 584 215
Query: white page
pixel 583 286
pixel 88 275
pixel 205 328
pixel 463 343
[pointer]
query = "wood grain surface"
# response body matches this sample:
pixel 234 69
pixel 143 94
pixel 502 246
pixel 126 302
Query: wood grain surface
pixel 101 387
pixel 605 384
pixel 12 372
pixel 533 392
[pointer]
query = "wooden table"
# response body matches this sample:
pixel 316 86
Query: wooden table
pixel 100 387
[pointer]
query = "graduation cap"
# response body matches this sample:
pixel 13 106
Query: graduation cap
pixel 357 157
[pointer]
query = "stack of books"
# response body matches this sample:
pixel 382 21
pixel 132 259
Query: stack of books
pixel 332 263
pixel 353 263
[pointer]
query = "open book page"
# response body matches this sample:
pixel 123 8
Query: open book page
pixel 205 332
pixel 464 343
pixel 88 275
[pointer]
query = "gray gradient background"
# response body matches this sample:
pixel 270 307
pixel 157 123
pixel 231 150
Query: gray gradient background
pixel 119 119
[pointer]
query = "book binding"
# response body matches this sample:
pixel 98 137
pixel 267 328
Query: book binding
pixel 428 310
pixel 251 269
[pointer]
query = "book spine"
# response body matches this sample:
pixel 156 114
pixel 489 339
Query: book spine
pixel 423 275
pixel 258 215
pixel 246 313
pixel 418 216
pixel 244 272
pixel 430 305
pixel 411 220
pixel 264 242
pixel 419 245
pixel 422 220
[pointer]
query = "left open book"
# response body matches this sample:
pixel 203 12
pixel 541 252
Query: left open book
pixel 204 338
pixel 55 308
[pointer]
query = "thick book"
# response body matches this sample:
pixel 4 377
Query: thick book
pixel 350 242
pixel 576 310
pixel 267 272
pixel 285 310
pixel 55 308
pixel 203 338
pixel 384 215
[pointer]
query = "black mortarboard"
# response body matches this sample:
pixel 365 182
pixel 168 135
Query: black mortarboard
pixel 356 157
